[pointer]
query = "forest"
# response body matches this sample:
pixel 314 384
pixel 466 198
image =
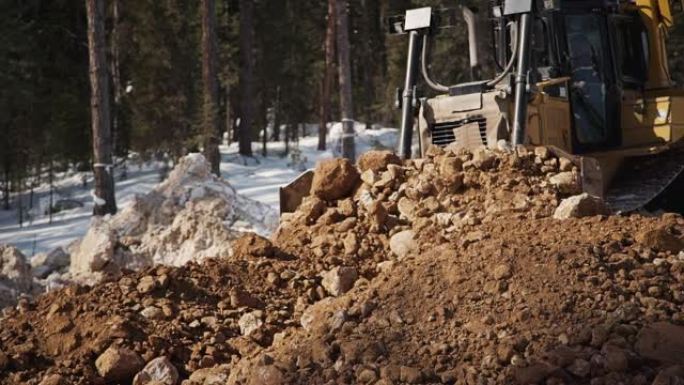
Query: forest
pixel 270 64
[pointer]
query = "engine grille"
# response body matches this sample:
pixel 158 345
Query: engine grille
pixel 443 134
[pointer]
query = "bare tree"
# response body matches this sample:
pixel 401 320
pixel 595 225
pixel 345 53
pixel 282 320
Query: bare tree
pixel 103 169
pixel 344 72
pixel 246 76
pixel 210 106
pixel 329 75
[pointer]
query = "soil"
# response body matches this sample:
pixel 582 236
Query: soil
pixel 462 276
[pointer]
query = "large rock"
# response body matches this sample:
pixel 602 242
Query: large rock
pixel 334 179
pixel 662 342
pixel 44 264
pixel 567 182
pixel 578 206
pixel 403 243
pixel 15 272
pixel 661 239
pixel 377 160
pixel 217 375
pixel 159 371
pixel 118 364
pixel 15 275
pixel 339 280
pixel 251 322
pixel 96 249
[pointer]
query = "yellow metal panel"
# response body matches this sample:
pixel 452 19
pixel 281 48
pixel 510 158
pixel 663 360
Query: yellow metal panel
pixel 654 17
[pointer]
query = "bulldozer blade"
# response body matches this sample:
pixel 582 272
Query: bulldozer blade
pixel 291 195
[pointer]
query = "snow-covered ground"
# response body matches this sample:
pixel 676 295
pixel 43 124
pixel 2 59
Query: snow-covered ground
pixel 257 178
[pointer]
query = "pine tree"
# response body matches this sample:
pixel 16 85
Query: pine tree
pixel 247 100
pixel 344 72
pixel 210 106
pixel 103 170
pixel 328 76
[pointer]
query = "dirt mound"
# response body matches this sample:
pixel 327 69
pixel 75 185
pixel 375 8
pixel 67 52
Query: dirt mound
pixel 449 269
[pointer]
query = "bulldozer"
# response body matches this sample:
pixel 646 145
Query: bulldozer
pixel 587 79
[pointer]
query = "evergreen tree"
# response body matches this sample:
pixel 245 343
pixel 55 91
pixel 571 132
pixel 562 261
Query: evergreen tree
pixel 210 105
pixel 103 170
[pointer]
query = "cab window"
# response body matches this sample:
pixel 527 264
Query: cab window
pixel 632 50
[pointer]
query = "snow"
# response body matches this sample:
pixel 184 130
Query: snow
pixel 257 178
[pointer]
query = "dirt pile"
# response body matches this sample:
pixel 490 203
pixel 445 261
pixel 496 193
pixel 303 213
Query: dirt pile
pixel 450 269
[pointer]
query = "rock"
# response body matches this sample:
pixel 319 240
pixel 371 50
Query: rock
pixel 451 166
pixel 334 179
pixel 566 182
pixel 578 206
pixel 533 373
pixel 339 280
pixel 369 177
pixel 118 364
pixel 410 375
pixel 580 368
pixel 616 359
pixel 53 379
pixel 407 208
pixel 672 375
pixel 255 245
pixel 403 243
pixel 377 160
pixel 502 271
pixel 378 214
pixel 159 371
pixel 542 153
pixel 662 342
pixel 211 376
pixel 661 239
pixel 152 313
pixel 324 315
pixel 251 322
pixel 241 298
pixel 146 284
pixel 15 275
pixel 4 361
pixel 483 159
pixel 267 375
pixel 565 165
pixel 44 264
pixel 96 249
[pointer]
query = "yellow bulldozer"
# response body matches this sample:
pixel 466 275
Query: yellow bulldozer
pixel 588 79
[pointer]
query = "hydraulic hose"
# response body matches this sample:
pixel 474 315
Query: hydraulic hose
pixel 511 62
pixel 423 66
pixel 442 88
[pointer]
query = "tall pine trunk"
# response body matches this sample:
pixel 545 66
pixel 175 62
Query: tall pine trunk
pixel 344 72
pixel 246 76
pixel 103 169
pixel 115 70
pixel 329 75
pixel 210 90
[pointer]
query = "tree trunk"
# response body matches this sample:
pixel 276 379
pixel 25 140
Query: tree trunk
pixel 229 116
pixel 115 71
pixel 344 71
pixel 328 77
pixel 103 169
pixel 210 106
pixel 246 76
